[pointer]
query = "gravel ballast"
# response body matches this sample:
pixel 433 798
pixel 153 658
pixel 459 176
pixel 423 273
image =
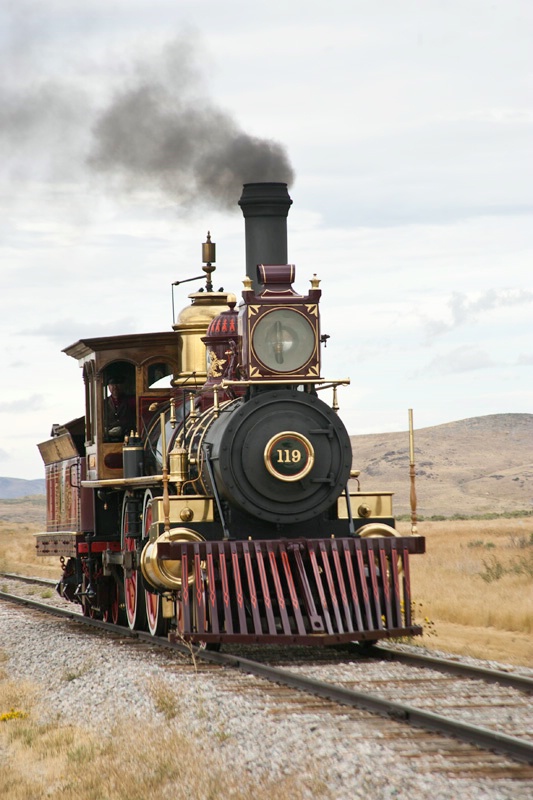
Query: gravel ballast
pixel 106 680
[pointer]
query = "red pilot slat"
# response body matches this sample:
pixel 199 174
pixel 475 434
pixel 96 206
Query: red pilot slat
pixel 406 589
pixel 342 586
pixel 364 585
pixel 353 587
pixel 292 592
pixel 279 589
pixel 271 622
pixel 251 586
pixel 320 588
pixel 331 587
pixel 385 582
pixel 238 588
pixel 396 584
pixel 200 593
pixel 213 608
pixel 374 582
pixel 225 588
pixel 315 619
pixel 185 597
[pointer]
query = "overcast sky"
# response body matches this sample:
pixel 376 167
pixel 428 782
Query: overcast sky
pixel 128 126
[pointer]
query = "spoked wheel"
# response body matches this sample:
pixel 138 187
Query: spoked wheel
pixel 86 606
pixel 134 601
pixel 88 609
pixel 157 624
pixel 117 612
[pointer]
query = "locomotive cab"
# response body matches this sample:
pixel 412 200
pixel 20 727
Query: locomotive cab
pixel 135 365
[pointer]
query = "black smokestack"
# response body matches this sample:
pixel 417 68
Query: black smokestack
pixel 265 207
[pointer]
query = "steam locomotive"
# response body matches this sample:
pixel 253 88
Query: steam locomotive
pixel 204 494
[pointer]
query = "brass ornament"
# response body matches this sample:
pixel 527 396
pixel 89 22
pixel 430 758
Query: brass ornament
pixel 289 456
pixel 376 530
pixel 167 574
pixel 215 364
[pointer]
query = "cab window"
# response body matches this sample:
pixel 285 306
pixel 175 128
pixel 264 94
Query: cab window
pixel 119 402
pixel 159 375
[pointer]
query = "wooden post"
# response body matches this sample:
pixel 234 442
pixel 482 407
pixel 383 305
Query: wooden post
pixel 412 474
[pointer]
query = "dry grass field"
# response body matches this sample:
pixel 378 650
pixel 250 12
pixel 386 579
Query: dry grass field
pixel 475 586
pixel 44 757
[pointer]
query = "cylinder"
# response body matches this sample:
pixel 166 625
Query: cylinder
pixel 133 458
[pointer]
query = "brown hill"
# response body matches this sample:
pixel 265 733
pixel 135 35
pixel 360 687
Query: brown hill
pixel 11 488
pixel 473 466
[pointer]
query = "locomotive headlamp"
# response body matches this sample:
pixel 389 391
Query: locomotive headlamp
pixel 283 340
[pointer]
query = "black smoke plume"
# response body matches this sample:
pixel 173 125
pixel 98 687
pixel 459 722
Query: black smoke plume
pixel 162 132
pixel 149 126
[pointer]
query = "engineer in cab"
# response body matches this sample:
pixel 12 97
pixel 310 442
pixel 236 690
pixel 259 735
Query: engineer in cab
pixel 120 414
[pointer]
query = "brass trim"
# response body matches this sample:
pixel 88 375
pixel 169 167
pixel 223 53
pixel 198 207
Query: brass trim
pixel 379 503
pixel 319 383
pixel 143 480
pixel 267 312
pixel 197 508
pixel 167 574
pixel 375 530
pixel 196 430
pixel 306 445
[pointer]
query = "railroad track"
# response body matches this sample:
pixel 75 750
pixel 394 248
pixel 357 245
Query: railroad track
pixel 519 747
pixel 12 576
pixel 452 667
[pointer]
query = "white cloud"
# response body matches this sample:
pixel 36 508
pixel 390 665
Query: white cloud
pixel 409 126
pixel 463 310
pixel 23 404
pixel 466 358
pixel 525 359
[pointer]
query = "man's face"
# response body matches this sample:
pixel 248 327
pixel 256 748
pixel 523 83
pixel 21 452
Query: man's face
pixel 115 389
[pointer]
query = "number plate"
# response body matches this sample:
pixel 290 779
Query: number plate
pixel 289 456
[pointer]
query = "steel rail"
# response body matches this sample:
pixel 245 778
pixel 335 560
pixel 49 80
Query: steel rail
pixel 446 665
pixel 517 749
pixel 46 608
pixel 27 579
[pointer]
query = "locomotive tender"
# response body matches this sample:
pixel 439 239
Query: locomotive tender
pixel 217 508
